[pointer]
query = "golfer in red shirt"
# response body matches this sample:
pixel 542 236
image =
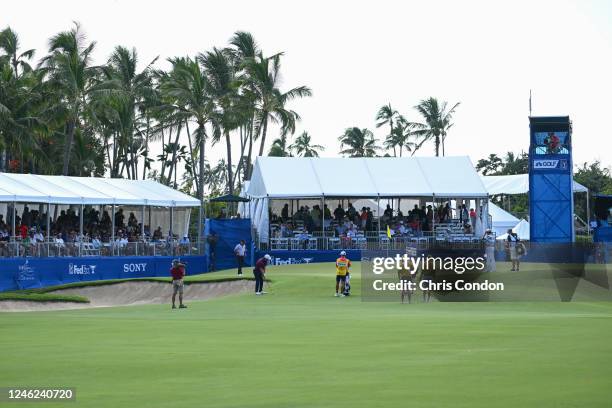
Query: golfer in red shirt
pixel 259 272
pixel 178 273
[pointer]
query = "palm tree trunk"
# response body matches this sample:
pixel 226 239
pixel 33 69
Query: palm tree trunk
pixel 146 149
pixel 202 147
pixel 437 142
pixel 68 145
pixel 173 161
pixel 229 162
pixel 194 169
pixel 249 168
pixel 263 135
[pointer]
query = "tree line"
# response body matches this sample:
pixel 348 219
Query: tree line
pixel 65 115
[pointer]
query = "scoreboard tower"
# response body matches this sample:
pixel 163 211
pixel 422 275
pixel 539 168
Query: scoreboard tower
pixel 551 198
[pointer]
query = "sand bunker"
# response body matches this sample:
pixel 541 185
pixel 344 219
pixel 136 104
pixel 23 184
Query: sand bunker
pixel 130 293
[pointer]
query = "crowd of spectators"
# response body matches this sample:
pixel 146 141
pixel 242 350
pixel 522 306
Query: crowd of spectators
pixel 350 222
pixel 31 230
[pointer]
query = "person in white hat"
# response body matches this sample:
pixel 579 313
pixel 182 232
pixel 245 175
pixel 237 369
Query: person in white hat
pixel 259 271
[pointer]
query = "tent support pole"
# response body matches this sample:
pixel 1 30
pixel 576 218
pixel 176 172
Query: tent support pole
pixel 80 229
pixel 433 214
pixel 113 230
pixel 13 216
pixel 323 221
pixel 588 213
pixel 378 213
pixel 48 226
pixel 200 213
pixel 142 223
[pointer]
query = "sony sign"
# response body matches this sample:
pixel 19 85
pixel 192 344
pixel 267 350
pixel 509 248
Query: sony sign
pixel 134 267
pixel 545 164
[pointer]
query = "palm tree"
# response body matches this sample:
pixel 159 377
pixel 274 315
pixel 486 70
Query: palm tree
pixel 303 146
pixel 134 89
pixel 438 120
pixel 385 116
pixel 358 142
pixel 244 50
pixel 17 94
pixel 71 74
pixel 9 44
pixel 262 77
pixel 280 147
pixel 188 89
pixel 224 93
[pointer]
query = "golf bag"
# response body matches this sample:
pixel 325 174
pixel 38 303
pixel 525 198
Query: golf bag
pixel 347 285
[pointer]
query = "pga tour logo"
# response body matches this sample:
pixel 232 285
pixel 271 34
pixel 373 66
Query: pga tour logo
pixel 549 164
pixel 74 269
pixel 134 267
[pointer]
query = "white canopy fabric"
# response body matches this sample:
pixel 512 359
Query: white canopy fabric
pixel 516 184
pixel 521 229
pixel 32 188
pixel 502 220
pixel 302 177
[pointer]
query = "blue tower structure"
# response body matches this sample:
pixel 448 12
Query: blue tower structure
pixel 551 198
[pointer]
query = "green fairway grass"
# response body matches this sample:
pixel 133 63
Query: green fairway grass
pixel 299 346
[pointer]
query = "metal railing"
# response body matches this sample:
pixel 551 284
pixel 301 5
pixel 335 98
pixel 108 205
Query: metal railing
pixel 371 242
pixel 16 249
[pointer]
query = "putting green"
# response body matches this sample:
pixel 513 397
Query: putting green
pixel 299 346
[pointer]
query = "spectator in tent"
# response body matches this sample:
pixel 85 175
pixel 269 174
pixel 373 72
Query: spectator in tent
pixel 363 217
pixel 465 216
pixel 388 212
pixel 339 213
pixel 285 212
pixel 351 212
pixel 26 218
pixel 448 213
pixel 326 212
pixel 370 219
pixel 22 229
pixel 473 218
pixel 285 231
pixel 157 234
pixel 132 222
pixel 119 218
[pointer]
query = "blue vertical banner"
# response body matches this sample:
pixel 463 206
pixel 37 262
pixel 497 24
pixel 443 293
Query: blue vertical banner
pixel 228 232
pixel 551 198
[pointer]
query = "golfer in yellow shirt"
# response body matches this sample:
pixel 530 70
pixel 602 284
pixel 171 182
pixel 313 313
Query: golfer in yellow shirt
pixel 342 269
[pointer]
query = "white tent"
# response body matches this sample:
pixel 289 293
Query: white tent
pixel 522 230
pixel 384 177
pixel 64 191
pixel 516 184
pixel 502 220
pixel 302 178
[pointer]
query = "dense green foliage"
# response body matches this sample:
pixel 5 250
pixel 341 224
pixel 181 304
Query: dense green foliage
pixel 66 115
